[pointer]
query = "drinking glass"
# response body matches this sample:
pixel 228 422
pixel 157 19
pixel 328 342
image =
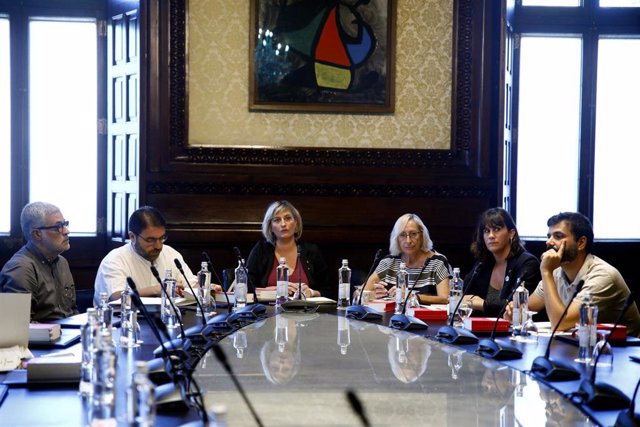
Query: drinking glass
pixel 603 350
pixel 465 311
pixel 529 329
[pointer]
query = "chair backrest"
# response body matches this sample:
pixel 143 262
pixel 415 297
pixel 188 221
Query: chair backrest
pixel 84 299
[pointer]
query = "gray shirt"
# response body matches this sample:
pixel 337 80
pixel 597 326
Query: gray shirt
pixel 53 292
pixel 607 287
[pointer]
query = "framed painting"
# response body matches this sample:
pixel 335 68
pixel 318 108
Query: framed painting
pixel 322 56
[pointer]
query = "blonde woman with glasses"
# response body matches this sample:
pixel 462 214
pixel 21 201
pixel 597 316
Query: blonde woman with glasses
pixel 429 270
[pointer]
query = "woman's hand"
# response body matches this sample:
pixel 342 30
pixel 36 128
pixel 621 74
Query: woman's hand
pixel 306 290
pixel 380 290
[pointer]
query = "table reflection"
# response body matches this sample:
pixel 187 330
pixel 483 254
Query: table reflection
pixel 280 356
pixel 296 369
pixel 408 355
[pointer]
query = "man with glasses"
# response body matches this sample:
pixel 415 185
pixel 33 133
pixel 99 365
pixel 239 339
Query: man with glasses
pixel 146 248
pixel 38 268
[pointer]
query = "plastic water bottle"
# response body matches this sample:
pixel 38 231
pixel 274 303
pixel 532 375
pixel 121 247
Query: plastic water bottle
pixel 203 292
pixel 167 313
pixel 88 337
pixel 141 401
pixel 344 285
pixel 103 380
pixel 402 279
pixel 520 306
pixel 455 292
pixel 344 334
pixel 105 311
pixel 282 282
pixel 240 290
pixel 587 328
pixel 128 320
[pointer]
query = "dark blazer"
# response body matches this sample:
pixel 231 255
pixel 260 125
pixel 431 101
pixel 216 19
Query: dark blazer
pixel 525 266
pixel 261 259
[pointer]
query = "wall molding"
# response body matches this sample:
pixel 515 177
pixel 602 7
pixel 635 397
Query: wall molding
pixel 320 190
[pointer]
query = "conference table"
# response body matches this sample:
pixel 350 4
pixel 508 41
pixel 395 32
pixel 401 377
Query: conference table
pixel 307 369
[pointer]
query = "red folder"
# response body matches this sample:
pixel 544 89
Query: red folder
pixel 428 313
pixel 486 324
pixel 382 305
pixel 619 334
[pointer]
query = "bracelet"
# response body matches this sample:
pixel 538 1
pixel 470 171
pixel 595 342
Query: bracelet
pixel 311 293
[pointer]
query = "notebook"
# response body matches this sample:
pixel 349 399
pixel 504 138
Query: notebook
pixel 15 314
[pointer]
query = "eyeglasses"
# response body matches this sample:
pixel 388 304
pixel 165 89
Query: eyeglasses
pixel 413 235
pixel 58 226
pixel 154 240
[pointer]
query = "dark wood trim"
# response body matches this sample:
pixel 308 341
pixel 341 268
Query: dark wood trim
pixel 464 144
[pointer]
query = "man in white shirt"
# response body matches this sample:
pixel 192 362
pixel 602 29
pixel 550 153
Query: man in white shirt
pixel 146 248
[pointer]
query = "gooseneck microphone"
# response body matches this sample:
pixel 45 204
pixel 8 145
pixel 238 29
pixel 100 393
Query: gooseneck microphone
pixel 359 311
pixel 205 257
pixel 170 396
pixel 492 349
pixel 357 407
pixel 300 305
pixel 404 321
pixel 222 358
pixel 455 335
pixel 628 417
pixel 155 273
pixel 184 276
pixel 600 396
pixel 545 368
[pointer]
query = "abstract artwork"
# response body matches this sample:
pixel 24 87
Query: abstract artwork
pixel 322 56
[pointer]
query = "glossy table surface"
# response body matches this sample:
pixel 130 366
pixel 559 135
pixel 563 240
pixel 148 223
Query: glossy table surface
pixel 296 370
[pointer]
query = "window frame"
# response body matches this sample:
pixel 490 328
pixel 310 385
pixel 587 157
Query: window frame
pixel 19 14
pixel 590 22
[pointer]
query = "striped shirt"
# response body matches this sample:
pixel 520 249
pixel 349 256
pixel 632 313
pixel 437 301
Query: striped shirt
pixel 435 270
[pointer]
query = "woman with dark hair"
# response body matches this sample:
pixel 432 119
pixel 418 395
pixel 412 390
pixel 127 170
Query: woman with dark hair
pixel 282 229
pixel 501 261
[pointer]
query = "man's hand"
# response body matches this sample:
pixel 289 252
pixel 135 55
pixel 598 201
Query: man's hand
pixel 551 259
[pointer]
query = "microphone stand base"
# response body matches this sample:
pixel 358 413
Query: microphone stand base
pixel 550 370
pixel 177 346
pixel 360 312
pixel 492 349
pixel 407 323
pixel 628 418
pixel 170 399
pixel 600 396
pixel 303 306
pixel 455 335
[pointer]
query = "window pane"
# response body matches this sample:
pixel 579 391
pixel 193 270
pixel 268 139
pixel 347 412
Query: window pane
pixel 553 3
pixel 615 213
pixel 5 129
pixel 619 3
pixel 548 130
pixel 63 118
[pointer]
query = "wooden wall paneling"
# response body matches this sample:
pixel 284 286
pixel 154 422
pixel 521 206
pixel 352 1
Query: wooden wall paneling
pixel 214 198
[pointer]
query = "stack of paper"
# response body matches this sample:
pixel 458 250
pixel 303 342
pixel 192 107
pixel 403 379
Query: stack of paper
pixel 43 332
